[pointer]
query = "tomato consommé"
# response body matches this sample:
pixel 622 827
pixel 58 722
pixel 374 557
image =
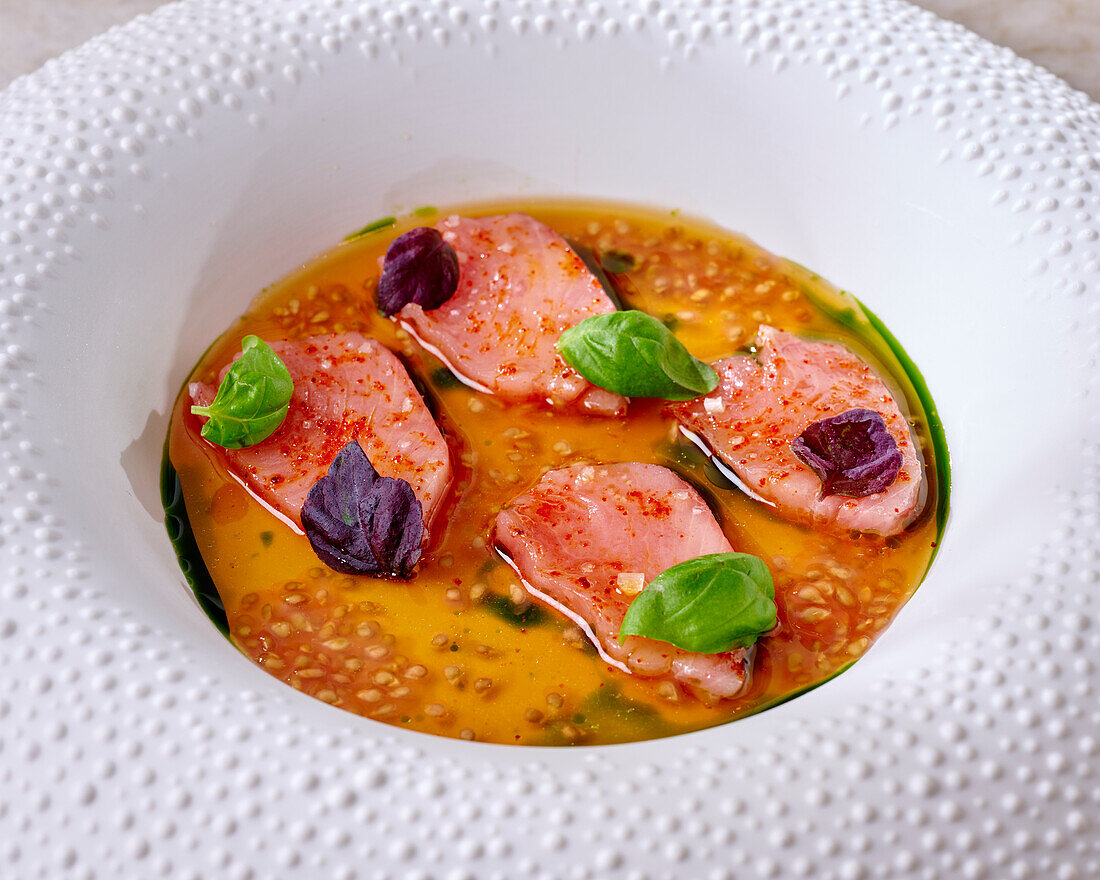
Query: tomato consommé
pixel 461 649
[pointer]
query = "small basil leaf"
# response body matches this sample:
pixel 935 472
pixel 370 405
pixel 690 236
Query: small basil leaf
pixel 708 604
pixel 852 454
pixel 360 523
pixel 419 267
pixel 373 226
pixel 252 400
pixel 635 355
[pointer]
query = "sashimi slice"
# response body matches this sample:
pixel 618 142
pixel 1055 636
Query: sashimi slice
pixel 520 286
pixel 584 539
pixel 346 387
pixel 761 404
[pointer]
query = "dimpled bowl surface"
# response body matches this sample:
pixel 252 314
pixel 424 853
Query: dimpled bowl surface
pixel 154 180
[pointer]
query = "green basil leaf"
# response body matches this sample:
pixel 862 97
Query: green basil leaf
pixel 708 604
pixel 373 226
pixel 635 355
pixel 252 400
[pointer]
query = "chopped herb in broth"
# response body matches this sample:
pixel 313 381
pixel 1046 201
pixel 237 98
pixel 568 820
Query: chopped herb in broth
pixel 462 649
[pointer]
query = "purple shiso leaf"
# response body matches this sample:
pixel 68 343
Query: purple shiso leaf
pixel 420 267
pixel 396 525
pixel 360 523
pixel 852 454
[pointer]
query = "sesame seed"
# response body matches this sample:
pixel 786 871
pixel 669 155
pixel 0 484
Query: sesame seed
pixel 554 701
pixel 436 710
pixel 482 685
pixel 573 636
pixel 478 590
pixel 327 696
pixel 630 583
pixel 337 644
pixel 439 640
pixel 453 594
pixel 466 734
pixel 378 652
pixel 294 599
pixel 475 405
pixel 562 448
pixel 417 671
pixel 534 716
pixel 810 594
pixel 385 678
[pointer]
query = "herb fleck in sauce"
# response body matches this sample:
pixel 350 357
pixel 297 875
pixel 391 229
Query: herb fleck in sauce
pixel 461 650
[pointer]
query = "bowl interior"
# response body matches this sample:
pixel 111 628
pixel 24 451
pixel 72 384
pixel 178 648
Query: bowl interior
pixel 775 157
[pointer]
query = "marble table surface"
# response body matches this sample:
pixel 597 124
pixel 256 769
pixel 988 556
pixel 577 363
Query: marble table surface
pixel 1061 35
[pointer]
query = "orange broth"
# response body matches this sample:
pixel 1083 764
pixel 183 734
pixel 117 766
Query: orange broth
pixel 461 650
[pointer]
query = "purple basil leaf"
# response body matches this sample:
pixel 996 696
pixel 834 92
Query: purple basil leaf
pixel 420 267
pixel 360 523
pixel 852 454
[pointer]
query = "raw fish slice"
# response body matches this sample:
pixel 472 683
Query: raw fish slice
pixel 760 406
pixel 584 538
pixel 519 287
pixel 345 386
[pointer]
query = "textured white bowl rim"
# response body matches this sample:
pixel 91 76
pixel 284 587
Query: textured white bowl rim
pixel 135 743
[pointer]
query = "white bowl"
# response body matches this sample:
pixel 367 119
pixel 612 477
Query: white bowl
pixel 154 180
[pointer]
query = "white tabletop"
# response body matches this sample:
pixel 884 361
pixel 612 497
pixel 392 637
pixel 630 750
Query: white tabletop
pixel 1061 35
